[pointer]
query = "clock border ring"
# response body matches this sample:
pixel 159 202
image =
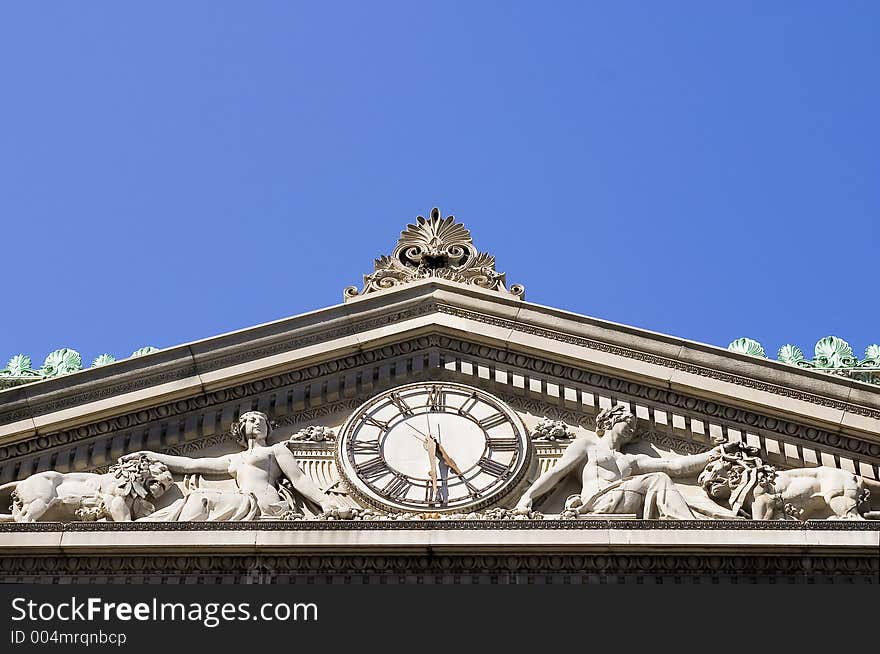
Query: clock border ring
pixel 353 481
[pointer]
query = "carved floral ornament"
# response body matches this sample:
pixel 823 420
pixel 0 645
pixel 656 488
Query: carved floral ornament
pixel 435 247
pixel 552 430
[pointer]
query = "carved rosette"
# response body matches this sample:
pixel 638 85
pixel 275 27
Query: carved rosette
pixel 440 248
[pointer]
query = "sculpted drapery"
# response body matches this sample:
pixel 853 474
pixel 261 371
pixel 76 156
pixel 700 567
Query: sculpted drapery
pixel 264 482
pixel 261 473
pixel 613 482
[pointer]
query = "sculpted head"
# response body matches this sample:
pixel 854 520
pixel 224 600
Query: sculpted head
pixel 716 479
pixel 151 475
pixel 252 426
pixel 160 479
pixel 618 424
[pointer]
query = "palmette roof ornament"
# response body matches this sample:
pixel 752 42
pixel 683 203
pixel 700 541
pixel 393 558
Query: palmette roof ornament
pixel 435 247
pixel 61 362
pixel 832 355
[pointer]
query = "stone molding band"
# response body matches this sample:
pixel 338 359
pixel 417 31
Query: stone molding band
pixel 424 308
pixel 444 525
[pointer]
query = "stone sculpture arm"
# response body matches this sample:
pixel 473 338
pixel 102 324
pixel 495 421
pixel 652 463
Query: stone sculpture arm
pixel 683 466
pixel 300 480
pixel 575 455
pixel 183 464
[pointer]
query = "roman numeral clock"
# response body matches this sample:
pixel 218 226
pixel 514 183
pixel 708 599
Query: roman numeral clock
pixel 433 447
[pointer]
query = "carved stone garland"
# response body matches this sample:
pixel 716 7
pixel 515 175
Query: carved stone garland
pixel 435 247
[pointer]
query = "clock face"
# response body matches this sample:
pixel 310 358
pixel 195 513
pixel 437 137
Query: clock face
pixel 433 447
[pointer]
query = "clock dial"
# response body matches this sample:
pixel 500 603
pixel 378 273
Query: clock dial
pixel 433 446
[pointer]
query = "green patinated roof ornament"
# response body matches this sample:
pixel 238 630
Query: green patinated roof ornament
pixel 747 346
pixel 19 366
pixel 60 362
pixel 790 354
pixel 832 354
pixel 149 349
pixel 103 360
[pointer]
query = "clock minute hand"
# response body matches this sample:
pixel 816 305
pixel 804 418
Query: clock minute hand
pixel 418 431
pixel 430 445
pixel 421 438
pixel 431 448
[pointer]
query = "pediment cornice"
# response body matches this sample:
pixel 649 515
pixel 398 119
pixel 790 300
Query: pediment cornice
pixel 440 309
pixel 529 383
pixel 546 342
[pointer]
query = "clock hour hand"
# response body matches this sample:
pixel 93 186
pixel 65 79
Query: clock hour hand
pixel 446 458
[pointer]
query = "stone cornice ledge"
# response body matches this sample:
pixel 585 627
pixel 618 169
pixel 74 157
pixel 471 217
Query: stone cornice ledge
pixel 449 536
pixel 199 367
pixel 257 351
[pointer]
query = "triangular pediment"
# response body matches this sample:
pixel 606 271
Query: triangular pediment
pixel 546 362
pixel 435 314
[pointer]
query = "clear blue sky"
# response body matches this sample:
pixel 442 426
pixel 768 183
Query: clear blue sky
pixel 171 171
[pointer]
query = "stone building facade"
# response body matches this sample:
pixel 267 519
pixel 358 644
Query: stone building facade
pixel 436 427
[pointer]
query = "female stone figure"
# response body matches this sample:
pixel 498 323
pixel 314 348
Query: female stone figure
pixel 258 472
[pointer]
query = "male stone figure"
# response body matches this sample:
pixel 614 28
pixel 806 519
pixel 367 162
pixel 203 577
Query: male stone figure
pixel 616 483
pixel 259 473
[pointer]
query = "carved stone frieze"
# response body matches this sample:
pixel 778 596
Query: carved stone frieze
pixel 268 484
pixel 361 514
pixel 503 567
pixel 626 390
pixel 668 442
pixel 126 492
pixel 435 247
pixel 647 477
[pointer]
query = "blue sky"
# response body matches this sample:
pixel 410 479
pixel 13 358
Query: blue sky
pixel 175 170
